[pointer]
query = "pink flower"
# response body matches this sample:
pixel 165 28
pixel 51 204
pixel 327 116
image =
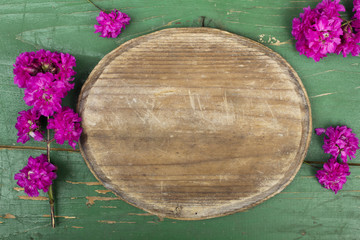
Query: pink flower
pixel 349 42
pixel 355 24
pixel 318 30
pixel 356 9
pixel 340 140
pixel 66 70
pixel 29 64
pixel 45 94
pixel 26 66
pixel 319 131
pixel 330 8
pixel 333 175
pixel 38 174
pixel 66 125
pixel 111 24
pixel 28 126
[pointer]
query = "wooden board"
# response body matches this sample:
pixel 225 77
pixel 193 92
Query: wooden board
pixel 194 123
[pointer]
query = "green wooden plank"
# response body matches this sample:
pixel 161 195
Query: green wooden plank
pixel 303 210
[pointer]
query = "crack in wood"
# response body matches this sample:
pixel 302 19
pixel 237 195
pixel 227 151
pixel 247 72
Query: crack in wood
pixel 202 21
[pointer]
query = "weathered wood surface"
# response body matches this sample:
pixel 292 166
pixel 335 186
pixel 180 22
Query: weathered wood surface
pixel 85 209
pixel 194 123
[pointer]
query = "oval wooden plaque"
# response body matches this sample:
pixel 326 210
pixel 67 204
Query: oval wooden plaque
pixel 194 123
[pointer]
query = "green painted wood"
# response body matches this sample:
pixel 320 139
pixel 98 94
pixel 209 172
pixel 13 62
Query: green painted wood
pixel 303 210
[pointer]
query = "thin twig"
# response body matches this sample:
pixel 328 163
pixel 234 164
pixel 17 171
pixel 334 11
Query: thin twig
pixel 311 165
pixel 50 192
pixel 96 5
pixel 345 23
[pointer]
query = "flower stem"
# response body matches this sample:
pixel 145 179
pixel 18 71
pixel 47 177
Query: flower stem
pixel 96 5
pixel 346 22
pixel 51 201
pixel 50 192
pixel 311 165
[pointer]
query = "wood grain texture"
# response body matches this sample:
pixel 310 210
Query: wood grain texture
pixel 194 123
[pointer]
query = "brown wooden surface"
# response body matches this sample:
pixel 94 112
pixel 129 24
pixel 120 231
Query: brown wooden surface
pixel 193 123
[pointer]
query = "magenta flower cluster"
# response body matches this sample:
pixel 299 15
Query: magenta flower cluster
pixel 38 174
pixel 321 31
pixel 110 24
pixel 67 126
pixel 339 142
pixel 333 175
pixel 28 126
pixel 46 78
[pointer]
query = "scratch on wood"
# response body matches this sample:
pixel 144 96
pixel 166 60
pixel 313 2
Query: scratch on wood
pixel 319 73
pixel 324 94
pixel 236 11
pixel 86 183
pixel 161 187
pixel 199 102
pixel 271 112
pixel 108 206
pixel 171 22
pixel 103 191
pixel 164 92
pixel 260 25
pixel 226 108
pixel 141 214
pixel 148 18
pixel 91 200
pixel 192 102
pixel 18 189
pixel 299 198
pixel 151 222
pixel 290 192
pixel 76 227
pixel 20 38
pixel 75 13
pixel 113 222
pixel 66 217
pixel 33 198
